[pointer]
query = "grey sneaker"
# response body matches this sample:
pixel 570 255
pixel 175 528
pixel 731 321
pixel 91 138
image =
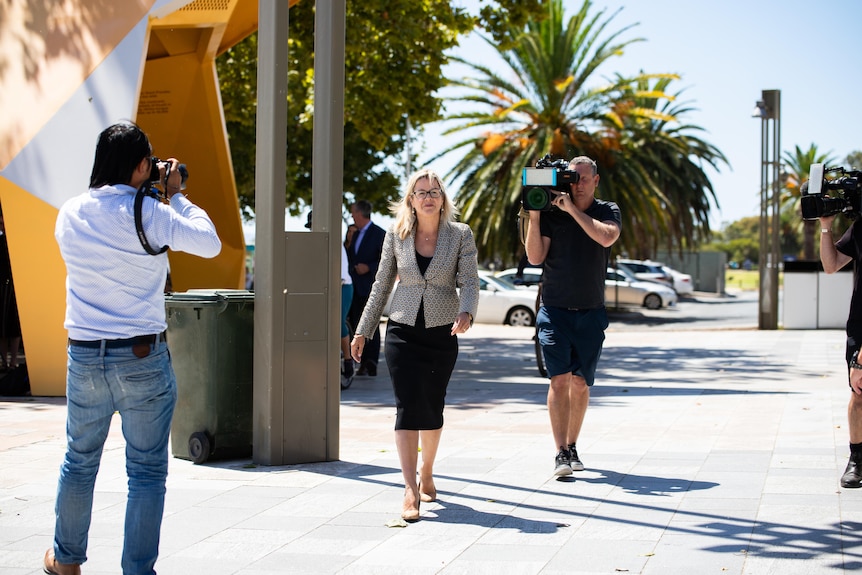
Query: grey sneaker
pixel 561 463
pixel 574 461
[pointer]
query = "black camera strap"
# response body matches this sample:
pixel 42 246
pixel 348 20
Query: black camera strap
pixel 139 225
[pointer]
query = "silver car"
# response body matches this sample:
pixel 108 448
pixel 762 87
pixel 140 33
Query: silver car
pixel 621 288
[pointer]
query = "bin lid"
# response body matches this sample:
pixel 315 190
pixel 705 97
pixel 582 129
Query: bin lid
pixel 209 296
pixel 197 298
pixel 235 294
pixel 219 292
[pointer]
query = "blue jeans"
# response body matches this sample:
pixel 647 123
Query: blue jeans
pixel 144 392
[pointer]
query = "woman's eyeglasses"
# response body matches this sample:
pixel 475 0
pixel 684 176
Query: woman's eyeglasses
pixel 433 193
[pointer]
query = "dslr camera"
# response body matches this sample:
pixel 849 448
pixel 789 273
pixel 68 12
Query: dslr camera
pixel 545 182
pixel 847 187
pixel 155 178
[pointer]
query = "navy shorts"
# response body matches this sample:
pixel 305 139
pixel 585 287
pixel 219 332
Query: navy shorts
pixel 572 340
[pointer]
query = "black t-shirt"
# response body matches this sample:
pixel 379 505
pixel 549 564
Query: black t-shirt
pixel 850 244
pixel 576 265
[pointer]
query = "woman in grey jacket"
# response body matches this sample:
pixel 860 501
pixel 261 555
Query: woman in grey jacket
pixel 431 255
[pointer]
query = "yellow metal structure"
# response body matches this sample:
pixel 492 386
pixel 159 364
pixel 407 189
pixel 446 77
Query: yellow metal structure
pixel 68 72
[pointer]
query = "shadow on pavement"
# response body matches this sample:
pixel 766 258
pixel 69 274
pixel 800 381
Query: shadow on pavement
pixel 731 534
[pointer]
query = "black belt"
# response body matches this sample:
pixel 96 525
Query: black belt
pixel 115 343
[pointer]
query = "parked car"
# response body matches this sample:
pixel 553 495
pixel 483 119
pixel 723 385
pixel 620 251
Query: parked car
pixel 499 302
pixel 531 277
pixel 621 288
pixel 646 270
pixel 682 283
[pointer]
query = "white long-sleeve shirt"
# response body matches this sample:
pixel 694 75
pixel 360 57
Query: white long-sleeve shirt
pixel 114 288
pixel 345 271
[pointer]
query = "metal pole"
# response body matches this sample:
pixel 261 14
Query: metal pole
pixel 327 184
pixel 776 203
pixel 270 180
pixel 770 245
pixel 763 260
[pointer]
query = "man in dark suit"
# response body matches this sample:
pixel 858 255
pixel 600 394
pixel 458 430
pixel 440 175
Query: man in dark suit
pixel 363 254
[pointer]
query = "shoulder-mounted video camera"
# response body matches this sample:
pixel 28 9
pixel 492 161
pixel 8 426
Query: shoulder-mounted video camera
pixel 545 182
pixel 827 197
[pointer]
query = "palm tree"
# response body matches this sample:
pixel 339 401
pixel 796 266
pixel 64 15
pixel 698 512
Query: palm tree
pixel 672 156
pixel 798 166
pixel 649 163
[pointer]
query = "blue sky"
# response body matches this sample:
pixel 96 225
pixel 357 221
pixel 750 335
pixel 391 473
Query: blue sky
pixel 727 53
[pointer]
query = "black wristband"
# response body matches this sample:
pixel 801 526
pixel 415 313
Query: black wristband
pixel 853 363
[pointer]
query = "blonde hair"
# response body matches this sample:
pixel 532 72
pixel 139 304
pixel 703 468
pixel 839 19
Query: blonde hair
pixel 405 218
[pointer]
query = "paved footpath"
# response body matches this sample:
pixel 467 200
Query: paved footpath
pixel 706 452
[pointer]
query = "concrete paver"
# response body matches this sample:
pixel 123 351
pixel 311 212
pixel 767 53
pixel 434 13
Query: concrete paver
pixel 706 452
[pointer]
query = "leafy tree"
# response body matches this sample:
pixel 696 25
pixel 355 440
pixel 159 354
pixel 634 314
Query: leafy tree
pixel 549 101
pixel 798 168
pixel 394 54
pixel 853 160
pixel 740 240
pixel 672 155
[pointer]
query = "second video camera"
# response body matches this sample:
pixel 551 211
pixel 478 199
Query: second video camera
pixel 545 182
pixel 847 187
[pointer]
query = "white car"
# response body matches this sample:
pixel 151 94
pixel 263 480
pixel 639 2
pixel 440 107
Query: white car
pixel 682 283
pixel 499 302
pixel 621 289
pixel 646 270
pixel 530 277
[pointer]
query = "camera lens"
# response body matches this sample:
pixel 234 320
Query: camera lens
pixel 536 199
pixel 154 169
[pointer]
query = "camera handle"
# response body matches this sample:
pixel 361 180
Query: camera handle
pixel 139 225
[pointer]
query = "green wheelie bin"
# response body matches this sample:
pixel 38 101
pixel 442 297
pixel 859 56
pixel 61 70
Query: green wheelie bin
pixel 211 340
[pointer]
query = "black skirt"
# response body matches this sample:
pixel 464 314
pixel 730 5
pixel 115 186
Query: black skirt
pixel 420 361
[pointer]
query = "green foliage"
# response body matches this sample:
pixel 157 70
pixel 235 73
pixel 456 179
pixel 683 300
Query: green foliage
pixel 853 160
pixel 394 54
pixel 740 240
pixel 550 101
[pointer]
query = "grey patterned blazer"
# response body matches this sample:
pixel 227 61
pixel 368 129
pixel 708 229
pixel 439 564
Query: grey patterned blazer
pixel 453 265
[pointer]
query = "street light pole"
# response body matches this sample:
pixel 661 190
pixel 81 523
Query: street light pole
pixel 769 109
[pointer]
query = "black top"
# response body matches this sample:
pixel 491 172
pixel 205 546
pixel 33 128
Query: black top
pixel 423 262
pixel 576 265
pixel 851 244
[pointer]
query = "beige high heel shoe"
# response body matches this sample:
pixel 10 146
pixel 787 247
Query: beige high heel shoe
pixel 410 506
pixel 427 495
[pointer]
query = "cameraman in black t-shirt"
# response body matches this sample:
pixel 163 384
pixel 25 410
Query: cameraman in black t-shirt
pixel 574 243
pixel 835 256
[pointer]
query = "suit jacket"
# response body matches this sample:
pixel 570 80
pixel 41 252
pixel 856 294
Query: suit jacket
pixel 369 254
pixel 453 265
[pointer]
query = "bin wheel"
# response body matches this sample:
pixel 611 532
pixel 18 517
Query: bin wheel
pixel 199 447
pixel 346 381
